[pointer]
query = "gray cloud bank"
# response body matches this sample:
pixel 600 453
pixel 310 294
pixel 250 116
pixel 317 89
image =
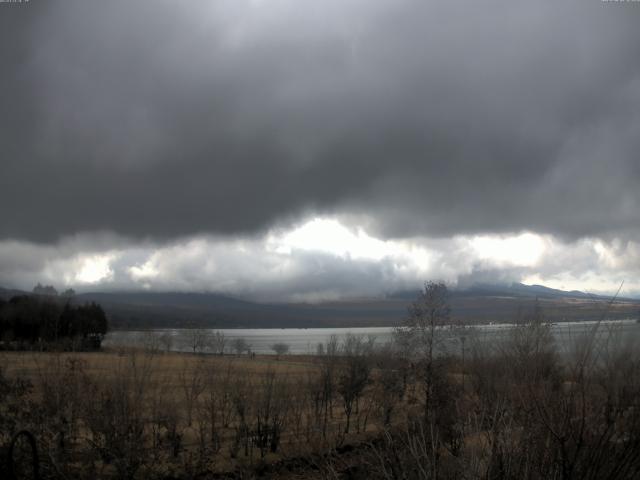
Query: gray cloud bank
pixel 161 119
pixel 261 269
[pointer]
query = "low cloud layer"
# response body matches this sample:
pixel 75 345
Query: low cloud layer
pixel 295 265
pixel 155 127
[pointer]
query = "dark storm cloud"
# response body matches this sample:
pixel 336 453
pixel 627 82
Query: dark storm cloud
pixel 159 120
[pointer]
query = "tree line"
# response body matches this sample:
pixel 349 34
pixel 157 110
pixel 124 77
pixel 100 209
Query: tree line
pixel 27 321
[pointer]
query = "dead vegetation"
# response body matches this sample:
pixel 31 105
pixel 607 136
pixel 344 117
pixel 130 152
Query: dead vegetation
pixel 515 409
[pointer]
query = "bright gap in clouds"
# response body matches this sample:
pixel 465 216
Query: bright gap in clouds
pixel 95 269
pixel 523 250
pixel 330 236
pixel 145 271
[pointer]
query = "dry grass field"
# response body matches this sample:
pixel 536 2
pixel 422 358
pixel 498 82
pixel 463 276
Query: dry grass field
pixel 132 411
pixel 518 410
pixel 168 365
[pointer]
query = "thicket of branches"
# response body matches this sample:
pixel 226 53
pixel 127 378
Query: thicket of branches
pixel 519 408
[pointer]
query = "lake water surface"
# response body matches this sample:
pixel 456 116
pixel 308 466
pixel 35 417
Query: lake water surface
pixel 305 340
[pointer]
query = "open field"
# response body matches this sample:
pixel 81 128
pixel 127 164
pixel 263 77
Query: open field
pixel 169 366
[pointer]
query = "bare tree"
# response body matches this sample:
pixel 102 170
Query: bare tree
pixel 166 340
pixel 192 382
pixel 196 339
pixel 354 375
pixel 240 345
pixel 388 393
pixel 270 412
pixel 211 414
pixel 151 342
pixel 420 333
pixel 115 414
pixel 280 348
pixel 218 343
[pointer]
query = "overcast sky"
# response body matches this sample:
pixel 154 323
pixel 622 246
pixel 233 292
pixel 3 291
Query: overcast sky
pixel 308 150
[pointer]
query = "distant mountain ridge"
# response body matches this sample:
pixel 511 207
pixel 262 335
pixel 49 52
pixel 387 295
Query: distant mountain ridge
pixel 482 303
pixel 520 289
pixel 511 290
pixel 7 293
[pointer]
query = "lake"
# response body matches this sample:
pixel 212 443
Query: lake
pixel 305 340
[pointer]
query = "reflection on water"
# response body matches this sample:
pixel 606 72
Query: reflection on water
pixel 305 340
